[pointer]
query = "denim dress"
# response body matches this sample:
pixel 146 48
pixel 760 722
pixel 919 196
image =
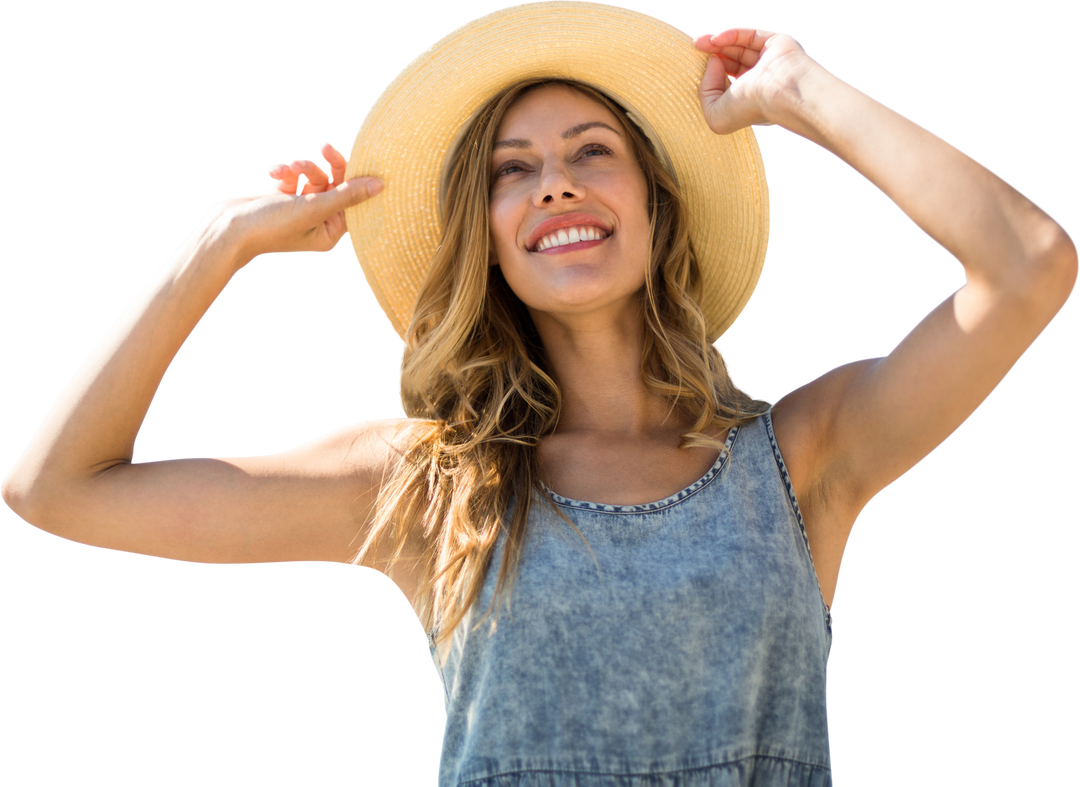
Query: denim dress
pixel 685 646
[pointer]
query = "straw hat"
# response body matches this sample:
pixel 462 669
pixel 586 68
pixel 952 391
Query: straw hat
pixel 648 67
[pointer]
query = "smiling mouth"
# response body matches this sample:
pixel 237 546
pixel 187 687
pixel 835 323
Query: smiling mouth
pixel 571 246
pixel 566 236
pixel 579 246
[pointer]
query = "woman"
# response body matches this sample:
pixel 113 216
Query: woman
pixel 843 437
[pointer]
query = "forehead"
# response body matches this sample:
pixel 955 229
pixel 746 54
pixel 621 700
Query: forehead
pixel 555 107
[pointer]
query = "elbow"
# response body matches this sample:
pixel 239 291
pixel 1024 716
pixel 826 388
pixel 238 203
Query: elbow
pixel 15 500
pixel 19 497
pixel 1055 266
pixel 18 507
pixel 10 493
pixel 1061 250
pixel 1065 264
pixel 1069 252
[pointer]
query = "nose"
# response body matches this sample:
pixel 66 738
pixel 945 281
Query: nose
pixel 556 185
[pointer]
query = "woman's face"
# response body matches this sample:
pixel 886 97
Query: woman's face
pixel 568 210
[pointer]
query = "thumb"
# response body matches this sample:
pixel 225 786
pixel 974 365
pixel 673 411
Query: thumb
pixel 714 82
pixel 351 192
pixel 713 94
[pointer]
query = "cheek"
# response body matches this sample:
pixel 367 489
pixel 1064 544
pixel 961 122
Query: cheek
pixel 504 221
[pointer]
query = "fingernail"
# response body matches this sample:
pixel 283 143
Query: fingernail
pixel 374 186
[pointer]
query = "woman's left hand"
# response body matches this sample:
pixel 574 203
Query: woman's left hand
pixel 766 68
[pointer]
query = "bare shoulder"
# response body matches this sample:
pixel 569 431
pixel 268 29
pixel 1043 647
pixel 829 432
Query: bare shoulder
pixel 334 481
pixel 794 426
pixel 355 460
pixel 368 455
pixel 803 418
pixel 803 421
pixel 365 452
pixel 389 438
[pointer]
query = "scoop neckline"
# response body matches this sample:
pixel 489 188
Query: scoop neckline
pixel 644 507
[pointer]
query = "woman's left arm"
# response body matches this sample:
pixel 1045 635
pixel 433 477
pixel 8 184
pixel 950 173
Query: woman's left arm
pixel 850 433
pixel 993 230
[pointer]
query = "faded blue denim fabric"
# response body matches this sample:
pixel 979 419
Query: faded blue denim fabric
pixel 690 653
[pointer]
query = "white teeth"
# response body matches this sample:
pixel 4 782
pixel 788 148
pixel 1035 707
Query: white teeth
pixel 568 235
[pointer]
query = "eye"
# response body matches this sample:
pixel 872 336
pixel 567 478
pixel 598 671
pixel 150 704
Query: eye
pixel 514 165
pixel 508 168
pixel 598 148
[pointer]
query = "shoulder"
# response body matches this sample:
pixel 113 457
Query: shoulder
pixel 371 448
pixel 375 447
pixel 397 430
pixel 387 438
pixel 803 422
pixel 795 436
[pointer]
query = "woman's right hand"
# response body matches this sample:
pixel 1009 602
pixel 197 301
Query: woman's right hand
pixel 282 220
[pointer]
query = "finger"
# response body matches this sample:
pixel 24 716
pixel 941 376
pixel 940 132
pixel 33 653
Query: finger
pixel 288 177
pixel 274 170
pixel 741 47
pixel 331 153
pixel 737 57
pixel 707 41
pixel 742 37
pixel 286 180
pixel 704 42
pixel 315 178
pixel 282 177
pixel 336 161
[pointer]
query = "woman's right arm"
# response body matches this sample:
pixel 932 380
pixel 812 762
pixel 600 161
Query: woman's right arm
pixel 77 478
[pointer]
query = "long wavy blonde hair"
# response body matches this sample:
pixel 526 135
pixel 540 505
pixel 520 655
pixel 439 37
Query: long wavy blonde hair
pixel 476 380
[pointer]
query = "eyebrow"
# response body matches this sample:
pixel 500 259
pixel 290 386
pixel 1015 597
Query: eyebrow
pixel 571 132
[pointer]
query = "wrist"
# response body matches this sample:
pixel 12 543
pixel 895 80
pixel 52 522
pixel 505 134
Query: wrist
pixel 798 107
pixel 228 233
pixel 216 248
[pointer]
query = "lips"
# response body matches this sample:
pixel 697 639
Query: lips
pixel 575 234
pixel 559 231
pixel 570 247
